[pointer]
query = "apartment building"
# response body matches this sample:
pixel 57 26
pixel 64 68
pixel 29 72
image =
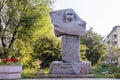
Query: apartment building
pixel 113 38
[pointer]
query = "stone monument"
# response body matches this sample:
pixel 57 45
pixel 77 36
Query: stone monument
pixel 68 25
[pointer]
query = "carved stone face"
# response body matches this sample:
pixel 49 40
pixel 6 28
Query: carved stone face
pixel 69 15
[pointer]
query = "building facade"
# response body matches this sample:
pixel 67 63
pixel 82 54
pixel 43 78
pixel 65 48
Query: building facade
pixel 113 38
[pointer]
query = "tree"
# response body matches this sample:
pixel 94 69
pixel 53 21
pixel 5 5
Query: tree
pixel 95 46
pixel 83 49
pixel 47 47
pixel 20 20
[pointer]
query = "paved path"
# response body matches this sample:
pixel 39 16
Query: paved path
pixel 74 79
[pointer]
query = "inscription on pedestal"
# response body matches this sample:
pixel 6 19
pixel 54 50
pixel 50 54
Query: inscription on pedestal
pixel 70 68
pixel 61 68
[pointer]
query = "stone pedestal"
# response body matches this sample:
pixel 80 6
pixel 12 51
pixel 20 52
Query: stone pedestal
pixel 75 68
pixel 10 72
pixel 70 48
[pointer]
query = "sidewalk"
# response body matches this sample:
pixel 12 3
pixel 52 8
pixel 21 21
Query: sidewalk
pixel 73 79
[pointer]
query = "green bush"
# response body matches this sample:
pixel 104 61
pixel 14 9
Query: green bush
pixel 112 71
pixel 34 73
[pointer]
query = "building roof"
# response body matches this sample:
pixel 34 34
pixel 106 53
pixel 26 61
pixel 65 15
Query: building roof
pixel 113 30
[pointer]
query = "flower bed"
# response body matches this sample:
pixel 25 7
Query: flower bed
pixel 9 61
pixel 10 72
pixel 10 68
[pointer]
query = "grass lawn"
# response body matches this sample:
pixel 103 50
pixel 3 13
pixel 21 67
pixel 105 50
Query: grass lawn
pixel 106 71
pixel 103 71
pixel 34 73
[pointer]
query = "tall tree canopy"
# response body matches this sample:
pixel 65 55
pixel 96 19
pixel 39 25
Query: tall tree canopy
pixel 95 48
pixel 20 24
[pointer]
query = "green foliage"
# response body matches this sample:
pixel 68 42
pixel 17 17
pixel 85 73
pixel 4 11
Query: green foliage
pixel 28 73
pixel 34 73
pixel 47 49
pixel 83 49
pixel 116 51
pixel 19 22
pixel 34 18
pixel 112 71
pixel 95 47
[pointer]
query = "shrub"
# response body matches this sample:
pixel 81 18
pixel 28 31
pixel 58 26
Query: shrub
pixel 111 69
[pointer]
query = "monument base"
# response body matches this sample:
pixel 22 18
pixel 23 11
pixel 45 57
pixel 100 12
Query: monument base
pixel 72 68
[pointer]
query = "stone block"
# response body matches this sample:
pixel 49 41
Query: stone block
pixel 78 68
pixel 70 48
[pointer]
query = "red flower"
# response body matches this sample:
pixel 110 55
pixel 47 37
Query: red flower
pixel 14 60
pixel 5 60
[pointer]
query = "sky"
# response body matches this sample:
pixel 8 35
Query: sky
pixel 102 15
